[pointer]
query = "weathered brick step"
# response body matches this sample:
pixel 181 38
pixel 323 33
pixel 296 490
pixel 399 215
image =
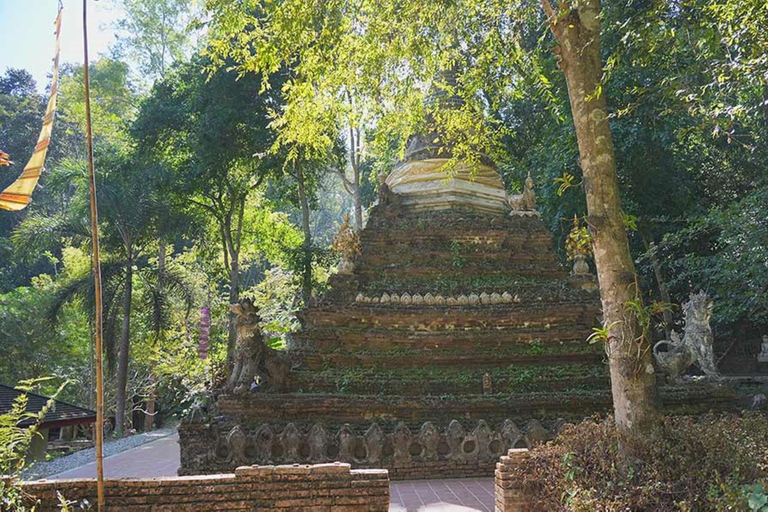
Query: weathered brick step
pixel 437 240
pixel 336 409
pixel 372 385
pixel 506 260
pixel 486 271
pixel 318 360
pixel 426 318
pixel 305 409
pixel 564 333
pixel 448 343
pixel 437 267
pixel 459 229
pixel 454 282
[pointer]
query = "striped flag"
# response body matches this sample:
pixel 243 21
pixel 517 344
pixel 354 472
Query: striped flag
pixel 18 194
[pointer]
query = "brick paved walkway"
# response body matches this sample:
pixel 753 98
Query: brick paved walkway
pixel 156 458
pixel 161 458
pixel 442 495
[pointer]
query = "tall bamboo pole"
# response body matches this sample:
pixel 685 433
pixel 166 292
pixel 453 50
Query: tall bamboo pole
pixel 96 274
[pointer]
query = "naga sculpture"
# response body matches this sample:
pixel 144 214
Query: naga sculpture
pixel 256 366
pixel 695 345
pixel 525 202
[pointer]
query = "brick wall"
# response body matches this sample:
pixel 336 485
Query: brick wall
pixel 511 494
pixel 320 488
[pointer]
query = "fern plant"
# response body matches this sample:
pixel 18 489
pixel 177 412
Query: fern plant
pixel 15 441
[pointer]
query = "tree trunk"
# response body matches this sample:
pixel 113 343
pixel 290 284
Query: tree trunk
pixel 663 290
pixel 234 297
pixel 358 202
pixel 306 246
pixel 355 159
pixel 161 256
pixel 233 245
pixel 149 408
pixel 633 382
pixel 125 341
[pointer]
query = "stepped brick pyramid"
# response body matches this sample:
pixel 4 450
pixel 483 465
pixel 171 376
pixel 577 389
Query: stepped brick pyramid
pixel 456 335
pixel 437 300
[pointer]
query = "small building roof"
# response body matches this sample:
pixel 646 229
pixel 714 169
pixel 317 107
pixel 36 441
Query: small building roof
pixel 62 414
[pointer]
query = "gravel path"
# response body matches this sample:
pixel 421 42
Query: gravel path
pixel 83 457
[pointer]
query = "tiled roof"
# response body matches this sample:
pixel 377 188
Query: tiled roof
pixel 60 415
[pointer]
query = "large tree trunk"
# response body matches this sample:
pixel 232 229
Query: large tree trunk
pixel 306 246
pixel 633 382
pixel 125 342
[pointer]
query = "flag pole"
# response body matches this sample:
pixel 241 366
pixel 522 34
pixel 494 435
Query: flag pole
pixel 99 430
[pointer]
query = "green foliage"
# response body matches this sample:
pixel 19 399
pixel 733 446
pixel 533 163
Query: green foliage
pixel 15 441
pixel 33 348
pixel 708 463
pixel 457 258
pixel 111 114
pixel 725 253
pixel 155 33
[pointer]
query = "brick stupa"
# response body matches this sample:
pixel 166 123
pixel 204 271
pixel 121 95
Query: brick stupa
pixel 456 336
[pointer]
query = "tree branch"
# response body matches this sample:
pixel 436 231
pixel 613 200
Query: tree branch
pixel 552 18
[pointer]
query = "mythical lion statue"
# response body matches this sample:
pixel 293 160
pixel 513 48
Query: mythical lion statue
pixel 525 202
pixel 695 345
pixel 255 364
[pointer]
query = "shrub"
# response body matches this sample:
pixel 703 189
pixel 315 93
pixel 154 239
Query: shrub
pixel 704 463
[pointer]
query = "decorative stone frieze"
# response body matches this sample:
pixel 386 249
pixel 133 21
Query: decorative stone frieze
pixel 423 453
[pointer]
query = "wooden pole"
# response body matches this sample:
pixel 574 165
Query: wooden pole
pixel 96 275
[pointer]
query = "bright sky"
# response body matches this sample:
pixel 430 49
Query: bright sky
pixel 27 40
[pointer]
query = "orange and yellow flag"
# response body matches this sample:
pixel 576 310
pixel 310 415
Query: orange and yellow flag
pixel 19 193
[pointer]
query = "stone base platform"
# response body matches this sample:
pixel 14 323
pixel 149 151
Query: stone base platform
pixel 414 438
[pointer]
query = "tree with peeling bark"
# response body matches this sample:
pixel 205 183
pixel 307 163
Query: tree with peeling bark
pixel 576 27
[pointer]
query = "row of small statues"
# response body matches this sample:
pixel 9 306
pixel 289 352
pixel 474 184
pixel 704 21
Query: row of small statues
pixel 438 300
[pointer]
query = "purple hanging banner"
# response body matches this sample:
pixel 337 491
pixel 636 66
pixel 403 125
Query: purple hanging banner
pixel 205 330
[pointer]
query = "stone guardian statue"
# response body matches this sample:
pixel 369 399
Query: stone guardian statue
pixel 256 366
pixel 696 344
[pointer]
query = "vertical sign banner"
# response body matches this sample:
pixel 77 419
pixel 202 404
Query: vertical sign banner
pixel 205 331
pixel 19 193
